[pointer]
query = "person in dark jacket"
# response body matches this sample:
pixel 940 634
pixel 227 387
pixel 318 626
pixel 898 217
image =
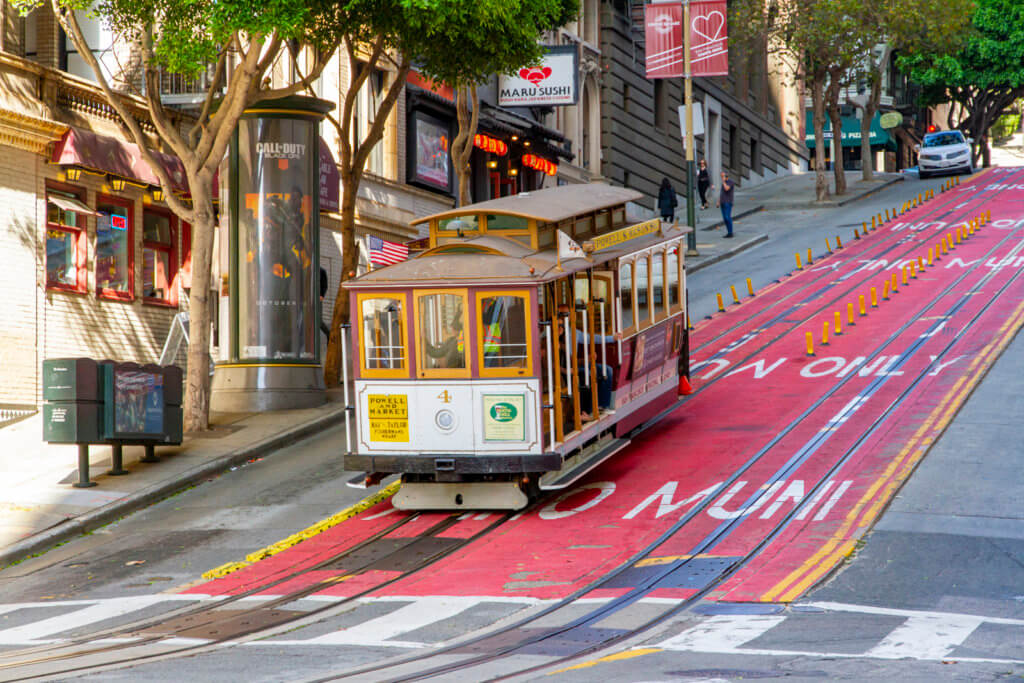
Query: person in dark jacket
pixel 703 183
pixel 725 201
pixel 667 202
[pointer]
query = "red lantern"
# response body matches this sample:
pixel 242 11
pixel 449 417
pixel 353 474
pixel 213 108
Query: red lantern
pixel 489 144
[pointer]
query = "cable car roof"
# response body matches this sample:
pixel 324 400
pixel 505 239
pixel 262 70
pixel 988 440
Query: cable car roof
pixel 549 205
pixel 497 261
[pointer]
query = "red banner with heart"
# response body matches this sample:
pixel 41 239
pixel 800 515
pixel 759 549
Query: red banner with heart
pixel 709 38
pixel 663 38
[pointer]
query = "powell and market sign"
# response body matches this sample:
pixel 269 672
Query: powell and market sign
pixel 553 82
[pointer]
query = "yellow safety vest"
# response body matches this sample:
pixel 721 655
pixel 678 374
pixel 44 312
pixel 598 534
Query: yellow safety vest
pixel 492 340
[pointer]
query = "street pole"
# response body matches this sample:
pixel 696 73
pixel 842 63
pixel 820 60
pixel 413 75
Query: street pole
pixel 691 218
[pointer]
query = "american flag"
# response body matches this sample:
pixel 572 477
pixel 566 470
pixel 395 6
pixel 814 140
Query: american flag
pixel 384 252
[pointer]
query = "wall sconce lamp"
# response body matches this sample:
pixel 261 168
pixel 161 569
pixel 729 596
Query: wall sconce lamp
pixel 118 184
pixel 514 138
pixel 158 195
pixel 526 143
pixel 492 164
pixel 73 174
pixel 513 172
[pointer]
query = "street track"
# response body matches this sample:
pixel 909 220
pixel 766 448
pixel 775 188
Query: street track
pixel 581 629
pixel 220 626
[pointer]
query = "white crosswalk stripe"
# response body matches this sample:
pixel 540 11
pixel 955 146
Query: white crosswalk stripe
pixel 922 635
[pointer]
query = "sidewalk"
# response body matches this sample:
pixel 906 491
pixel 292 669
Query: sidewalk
pixel 39 508
pixel 787 192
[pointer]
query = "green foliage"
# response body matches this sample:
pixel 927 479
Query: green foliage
pixel 1005 126
pixel 992 56
pixel 466 41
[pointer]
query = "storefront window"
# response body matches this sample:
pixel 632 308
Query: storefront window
pixel 113 249
pixel 503 332
pixel 277 304
pixel 382 334
pixel 429 162
pixel 158 262
pixel 64 237
pixel 441 334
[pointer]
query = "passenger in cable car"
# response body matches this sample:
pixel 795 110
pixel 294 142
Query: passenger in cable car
pixel 604 372
pixel 451 352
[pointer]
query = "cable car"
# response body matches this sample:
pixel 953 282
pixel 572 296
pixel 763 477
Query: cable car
pixel 520 350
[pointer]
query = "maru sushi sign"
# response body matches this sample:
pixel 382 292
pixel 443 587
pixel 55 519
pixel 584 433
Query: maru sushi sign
pixel 553 82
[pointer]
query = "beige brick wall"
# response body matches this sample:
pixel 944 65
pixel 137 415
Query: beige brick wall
pixel 41 323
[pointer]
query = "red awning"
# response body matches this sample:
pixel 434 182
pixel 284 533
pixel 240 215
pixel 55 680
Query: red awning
pixel 103 154
pixel 107 155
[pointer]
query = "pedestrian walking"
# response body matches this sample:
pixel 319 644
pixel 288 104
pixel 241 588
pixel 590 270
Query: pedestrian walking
pixel 725 202
pixel 667 201
pixel 703 183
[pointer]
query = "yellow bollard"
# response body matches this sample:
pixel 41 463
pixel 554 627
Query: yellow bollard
pixel 849 314
pixel 865 224
pixel 721 304
pixel 809 259
pixel 949 241
pixel 810 344
pixel 905 275
pixel 856 235
pixel 957 233
pixel 920 263
pixel 824 332
pixel 913 269
pixel 839 324
pixel 872 223
pixel 735 297
pixel 828 246
pixel 942 245
pixel 885 290
pixel 970 228
pixel 920 198
pixel 874 298
pixel 799 264
pixel 988 215
pixel 863 308
pixel 839 243
pixel 887 215
pixel 895 284
pixel 750 287
pixel 689 326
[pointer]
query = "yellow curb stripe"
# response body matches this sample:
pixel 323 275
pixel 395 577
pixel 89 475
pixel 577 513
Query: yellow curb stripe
pixel 617 657
pixel 828 555
pixel 309 532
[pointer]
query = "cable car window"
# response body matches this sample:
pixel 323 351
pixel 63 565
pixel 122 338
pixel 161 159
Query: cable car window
pixel 618 217
pixel 658 285
pixel 643 303
pixel 584 226
pixel 468 223
pixel 382 336
pixel 441 334
pixel 603 221
pixel 503 333
pixel 672 278
pixel 582 287
pixel 603 292
pixel 502 222
pixel 627 319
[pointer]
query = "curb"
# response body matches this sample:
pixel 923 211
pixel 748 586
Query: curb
pixel 94 519
pixel 717 258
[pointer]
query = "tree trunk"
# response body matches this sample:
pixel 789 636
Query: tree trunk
pixel 349 266
pixel 467 107
pixel 818 103
pixel 197 379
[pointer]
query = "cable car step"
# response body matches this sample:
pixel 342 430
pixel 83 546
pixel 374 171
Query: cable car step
pixel 578 465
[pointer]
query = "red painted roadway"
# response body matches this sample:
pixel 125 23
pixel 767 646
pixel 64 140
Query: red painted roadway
pixel 791 420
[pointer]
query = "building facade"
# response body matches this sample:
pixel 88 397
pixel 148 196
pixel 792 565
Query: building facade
pixel 753 118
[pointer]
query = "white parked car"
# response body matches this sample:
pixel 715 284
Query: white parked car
pixel 944 151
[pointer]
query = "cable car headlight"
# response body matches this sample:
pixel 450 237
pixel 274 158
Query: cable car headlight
pixel 445 420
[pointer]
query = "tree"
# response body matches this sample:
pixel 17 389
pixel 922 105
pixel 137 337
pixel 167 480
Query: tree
pixel 984 77
pixel 242 40
pixel 457 42
pixel 902 26
pixel 814 39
